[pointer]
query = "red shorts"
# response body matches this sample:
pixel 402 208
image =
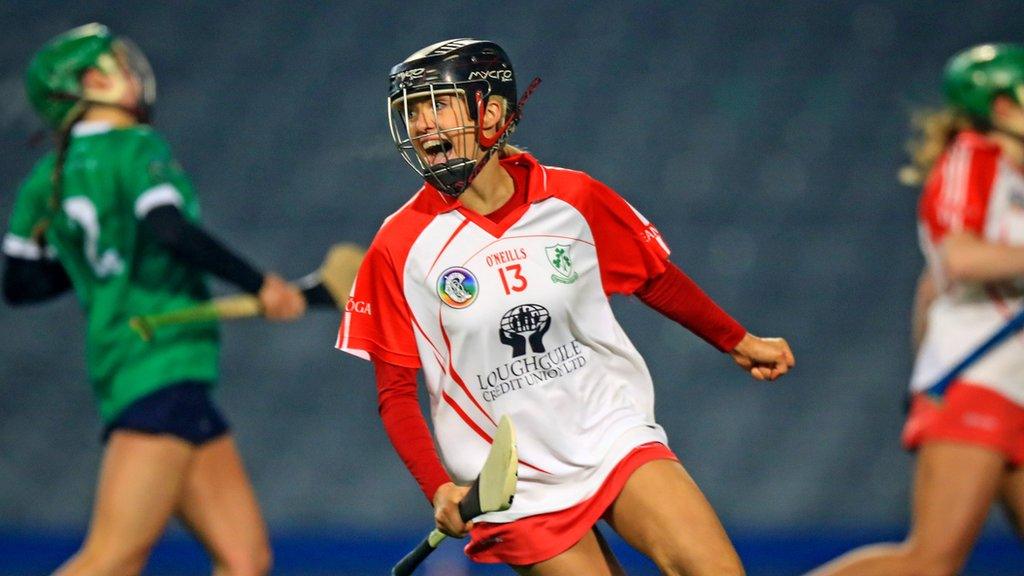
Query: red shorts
pixel 537 538
pixel 971 414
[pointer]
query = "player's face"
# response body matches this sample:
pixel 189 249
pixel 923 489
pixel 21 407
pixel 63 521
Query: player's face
pixel 1007 114
pixel 440 128
pixel 112 81
pixel 133 85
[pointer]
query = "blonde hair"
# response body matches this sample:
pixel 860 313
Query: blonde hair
pixel 933 132
pixel 510 150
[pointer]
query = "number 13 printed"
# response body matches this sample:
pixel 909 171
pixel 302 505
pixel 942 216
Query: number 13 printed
pixel 512 279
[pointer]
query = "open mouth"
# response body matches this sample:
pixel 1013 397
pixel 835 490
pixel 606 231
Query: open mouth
pixel 436 151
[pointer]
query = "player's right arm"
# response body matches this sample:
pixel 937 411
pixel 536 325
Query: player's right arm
pixel 924 295
pixel 954 210
pixel 161 193
pixel 967 257
pixel 409 435
pixel 32 272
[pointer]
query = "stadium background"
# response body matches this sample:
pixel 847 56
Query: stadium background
pixel 762 138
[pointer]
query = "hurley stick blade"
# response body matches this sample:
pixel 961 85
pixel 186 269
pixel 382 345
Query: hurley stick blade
pixel 339 269
pixel 494 489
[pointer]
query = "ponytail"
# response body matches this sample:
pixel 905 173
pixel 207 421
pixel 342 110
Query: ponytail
pixel 63 142
pixel 933 130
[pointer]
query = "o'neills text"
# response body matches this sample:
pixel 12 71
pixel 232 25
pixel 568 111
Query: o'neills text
pixel 506 256
pixel 530 370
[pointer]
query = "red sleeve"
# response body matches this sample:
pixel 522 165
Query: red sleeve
pixel 678 297
pixel 630 250
pixel 406 427
pixel 956 195
pixel 377 320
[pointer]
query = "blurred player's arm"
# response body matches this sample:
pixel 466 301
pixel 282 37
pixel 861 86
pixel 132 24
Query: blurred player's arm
pixel 676 296
pixel 194 246
pixel 965 256
pixel 31 280
pixel 924 295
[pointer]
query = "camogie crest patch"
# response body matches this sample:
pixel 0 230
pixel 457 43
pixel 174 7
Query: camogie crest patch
pixel 561 261
pixel 457 287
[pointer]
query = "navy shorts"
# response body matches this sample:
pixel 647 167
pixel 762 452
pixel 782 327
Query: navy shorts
pixel 182 410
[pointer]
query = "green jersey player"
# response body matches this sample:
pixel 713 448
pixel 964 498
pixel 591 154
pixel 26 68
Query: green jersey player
pixel 111 215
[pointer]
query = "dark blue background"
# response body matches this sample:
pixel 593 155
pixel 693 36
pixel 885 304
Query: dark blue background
pixel 762 138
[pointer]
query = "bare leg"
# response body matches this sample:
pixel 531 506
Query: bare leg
pixel 1012 498
pixel 954 487
pixel 662 513
pixel 591 556
pixel 139 483
pixel 219 506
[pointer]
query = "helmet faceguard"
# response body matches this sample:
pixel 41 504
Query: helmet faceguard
pixel 974 78
pixel 53 80
pixel 136 63
pixel 467 70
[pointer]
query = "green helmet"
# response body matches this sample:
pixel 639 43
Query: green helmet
pixel 974 77
pixel 53 79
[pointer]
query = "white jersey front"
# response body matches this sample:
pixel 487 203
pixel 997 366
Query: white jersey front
pixel 513 318
pixel 974 188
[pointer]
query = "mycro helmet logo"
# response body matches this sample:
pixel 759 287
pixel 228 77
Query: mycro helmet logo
pixel 522 324
pixel 457 287
pixel 501 75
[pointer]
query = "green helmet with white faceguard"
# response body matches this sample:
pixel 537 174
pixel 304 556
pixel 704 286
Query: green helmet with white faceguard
pixel 974 78
pixel 53 80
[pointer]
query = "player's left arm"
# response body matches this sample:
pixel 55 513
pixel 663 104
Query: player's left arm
pixel 634 260
pixel 679 298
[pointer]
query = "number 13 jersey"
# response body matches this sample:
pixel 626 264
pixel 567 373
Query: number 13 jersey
pixel 513 318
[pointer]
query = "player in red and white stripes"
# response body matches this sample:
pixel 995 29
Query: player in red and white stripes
pixel 970 445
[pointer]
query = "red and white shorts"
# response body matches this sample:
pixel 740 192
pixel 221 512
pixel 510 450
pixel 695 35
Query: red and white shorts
pixel 970 414
pixel 537 538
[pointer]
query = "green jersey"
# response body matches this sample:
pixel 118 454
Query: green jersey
pixel 112 178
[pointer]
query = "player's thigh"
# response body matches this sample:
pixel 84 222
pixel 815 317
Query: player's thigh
pixel 591 556
pixel 139 483
pixel 1011 495
pixel 955 484
pixel 662 513
pixel 218 504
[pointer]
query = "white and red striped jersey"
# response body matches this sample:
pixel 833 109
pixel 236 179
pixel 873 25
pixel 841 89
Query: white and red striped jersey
pixel 975 188
pixel 514 318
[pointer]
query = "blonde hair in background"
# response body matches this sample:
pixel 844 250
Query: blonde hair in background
pixel 933 131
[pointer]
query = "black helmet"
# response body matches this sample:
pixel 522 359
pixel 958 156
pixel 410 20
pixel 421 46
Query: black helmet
pixel 471 69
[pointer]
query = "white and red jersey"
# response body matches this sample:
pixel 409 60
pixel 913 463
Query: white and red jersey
pixel 514 318
pixel 975 188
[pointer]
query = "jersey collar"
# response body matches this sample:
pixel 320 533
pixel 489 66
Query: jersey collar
pixel 537 187
pixel 91 128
